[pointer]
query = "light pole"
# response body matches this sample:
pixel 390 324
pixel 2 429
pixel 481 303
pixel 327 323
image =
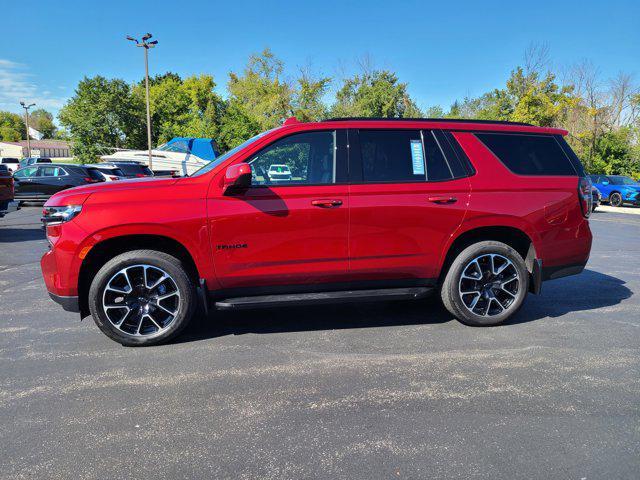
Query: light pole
pixel 146 45
pixel 26 121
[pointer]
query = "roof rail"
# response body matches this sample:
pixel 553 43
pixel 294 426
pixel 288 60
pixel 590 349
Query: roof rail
pixel 449 120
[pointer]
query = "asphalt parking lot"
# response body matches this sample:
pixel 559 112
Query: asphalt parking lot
pixel 391 390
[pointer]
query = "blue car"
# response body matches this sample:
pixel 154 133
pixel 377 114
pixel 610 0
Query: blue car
pixel 617 189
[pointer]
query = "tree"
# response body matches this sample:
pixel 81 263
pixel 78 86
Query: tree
pixel 180 108
pixel 101 114
pixel 374 94
pixel 12 127
pixel 42 121
pixel 307 104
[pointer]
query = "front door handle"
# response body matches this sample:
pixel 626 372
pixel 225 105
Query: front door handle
pixel 443 199
pixel 326 203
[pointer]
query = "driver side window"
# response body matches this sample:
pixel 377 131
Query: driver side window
pixel 26 172
pixel 300 159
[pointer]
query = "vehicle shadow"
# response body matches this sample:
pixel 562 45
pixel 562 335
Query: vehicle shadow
pixel 587 291
pixel 9 234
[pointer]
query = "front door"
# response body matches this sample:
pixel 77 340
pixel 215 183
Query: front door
pixel 406 200
pixel 290 226
pixel 24 181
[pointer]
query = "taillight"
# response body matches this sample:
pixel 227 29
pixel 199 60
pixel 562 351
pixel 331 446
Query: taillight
pixel 585 196
pixel 140 175
pixel 111 177
pixel 89 180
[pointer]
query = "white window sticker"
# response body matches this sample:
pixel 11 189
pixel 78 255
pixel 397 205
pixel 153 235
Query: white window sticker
pixel 417 157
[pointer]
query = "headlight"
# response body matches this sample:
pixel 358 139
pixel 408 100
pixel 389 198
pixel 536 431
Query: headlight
pixel 57 215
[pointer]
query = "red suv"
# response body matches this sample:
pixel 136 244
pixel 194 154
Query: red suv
pixel 373 209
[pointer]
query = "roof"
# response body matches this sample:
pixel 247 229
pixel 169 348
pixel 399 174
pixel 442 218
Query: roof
pixel 448 120
pixel 41 143
pixel 456 124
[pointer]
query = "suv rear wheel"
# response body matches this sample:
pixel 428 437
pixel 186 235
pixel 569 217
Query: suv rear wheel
pixel 142 297
pixel 486 284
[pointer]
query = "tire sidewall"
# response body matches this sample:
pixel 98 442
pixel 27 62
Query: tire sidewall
pixel 460 263
pixel 169 264
pixel 618 199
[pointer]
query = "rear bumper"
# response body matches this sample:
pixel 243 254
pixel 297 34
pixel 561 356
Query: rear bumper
pixel 559 271
pixel 70 304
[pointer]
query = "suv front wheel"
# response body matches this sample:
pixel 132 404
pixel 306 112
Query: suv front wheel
pixel 486 284
pixel 142 297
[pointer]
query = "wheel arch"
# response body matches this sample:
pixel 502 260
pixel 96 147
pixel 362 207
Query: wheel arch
pixel 511 235
pixel 106 249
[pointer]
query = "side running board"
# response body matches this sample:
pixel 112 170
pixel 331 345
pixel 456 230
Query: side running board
pixel 383 294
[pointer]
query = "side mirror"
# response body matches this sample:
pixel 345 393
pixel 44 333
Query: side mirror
pixel 237 177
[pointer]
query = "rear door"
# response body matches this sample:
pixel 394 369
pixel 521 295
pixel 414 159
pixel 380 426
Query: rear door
pixel 406 199
pixel 48 180
pixel 286 231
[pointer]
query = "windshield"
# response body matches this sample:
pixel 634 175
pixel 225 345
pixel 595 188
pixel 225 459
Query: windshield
pixel 620 180
pixel 213 164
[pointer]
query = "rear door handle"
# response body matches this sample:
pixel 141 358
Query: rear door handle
pixel 326 203
pixel 443 199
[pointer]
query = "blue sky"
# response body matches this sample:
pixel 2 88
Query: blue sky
pixel 444 50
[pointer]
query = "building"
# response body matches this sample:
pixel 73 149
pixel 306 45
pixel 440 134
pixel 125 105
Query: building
pixel 39 148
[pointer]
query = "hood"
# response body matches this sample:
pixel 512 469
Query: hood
pixel 78 195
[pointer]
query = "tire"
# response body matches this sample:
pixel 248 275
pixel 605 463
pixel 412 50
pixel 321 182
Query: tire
pixel 615 199
pixel 164 308
pixel 504 298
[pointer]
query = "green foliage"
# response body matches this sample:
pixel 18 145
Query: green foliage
pixel 179 108
pixel 12 127
pixel 42 121
pixel 99 115
pixel 375 94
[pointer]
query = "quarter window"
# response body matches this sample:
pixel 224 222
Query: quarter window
pixel 303 158
pixel 529 154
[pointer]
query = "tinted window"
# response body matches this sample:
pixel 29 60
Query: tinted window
pixel 620 180
pixel 529 154
pixel 4 169
pixel 133 169
pixel 9 160
pixel 95 174
pixel 48 171
pixel 463 166
pixel 304 158
pixel 26 172
pixel 392 156
pixel 437 167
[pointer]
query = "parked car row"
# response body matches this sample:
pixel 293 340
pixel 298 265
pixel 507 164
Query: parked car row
pixel 40 179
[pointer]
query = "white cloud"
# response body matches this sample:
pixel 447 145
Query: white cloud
pixel 17 84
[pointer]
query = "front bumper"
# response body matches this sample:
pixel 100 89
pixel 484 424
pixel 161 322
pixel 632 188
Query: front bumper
pixel 70 304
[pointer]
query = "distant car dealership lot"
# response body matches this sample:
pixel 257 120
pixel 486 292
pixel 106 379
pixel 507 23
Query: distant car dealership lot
pixel 372 391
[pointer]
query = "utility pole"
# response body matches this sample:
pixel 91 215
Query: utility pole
pixel 146 45
pixel 26 121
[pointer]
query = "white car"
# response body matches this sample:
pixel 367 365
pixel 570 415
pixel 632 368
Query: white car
pixel 12 164
pixel 279 173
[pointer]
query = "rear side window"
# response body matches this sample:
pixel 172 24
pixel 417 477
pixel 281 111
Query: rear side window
pixel 392 156
pixel 94 174
pixel 437 167
pixel 9 160
pixel 529 154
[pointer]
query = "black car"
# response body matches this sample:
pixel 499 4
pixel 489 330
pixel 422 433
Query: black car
pixel 38 182
pixel 132 169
